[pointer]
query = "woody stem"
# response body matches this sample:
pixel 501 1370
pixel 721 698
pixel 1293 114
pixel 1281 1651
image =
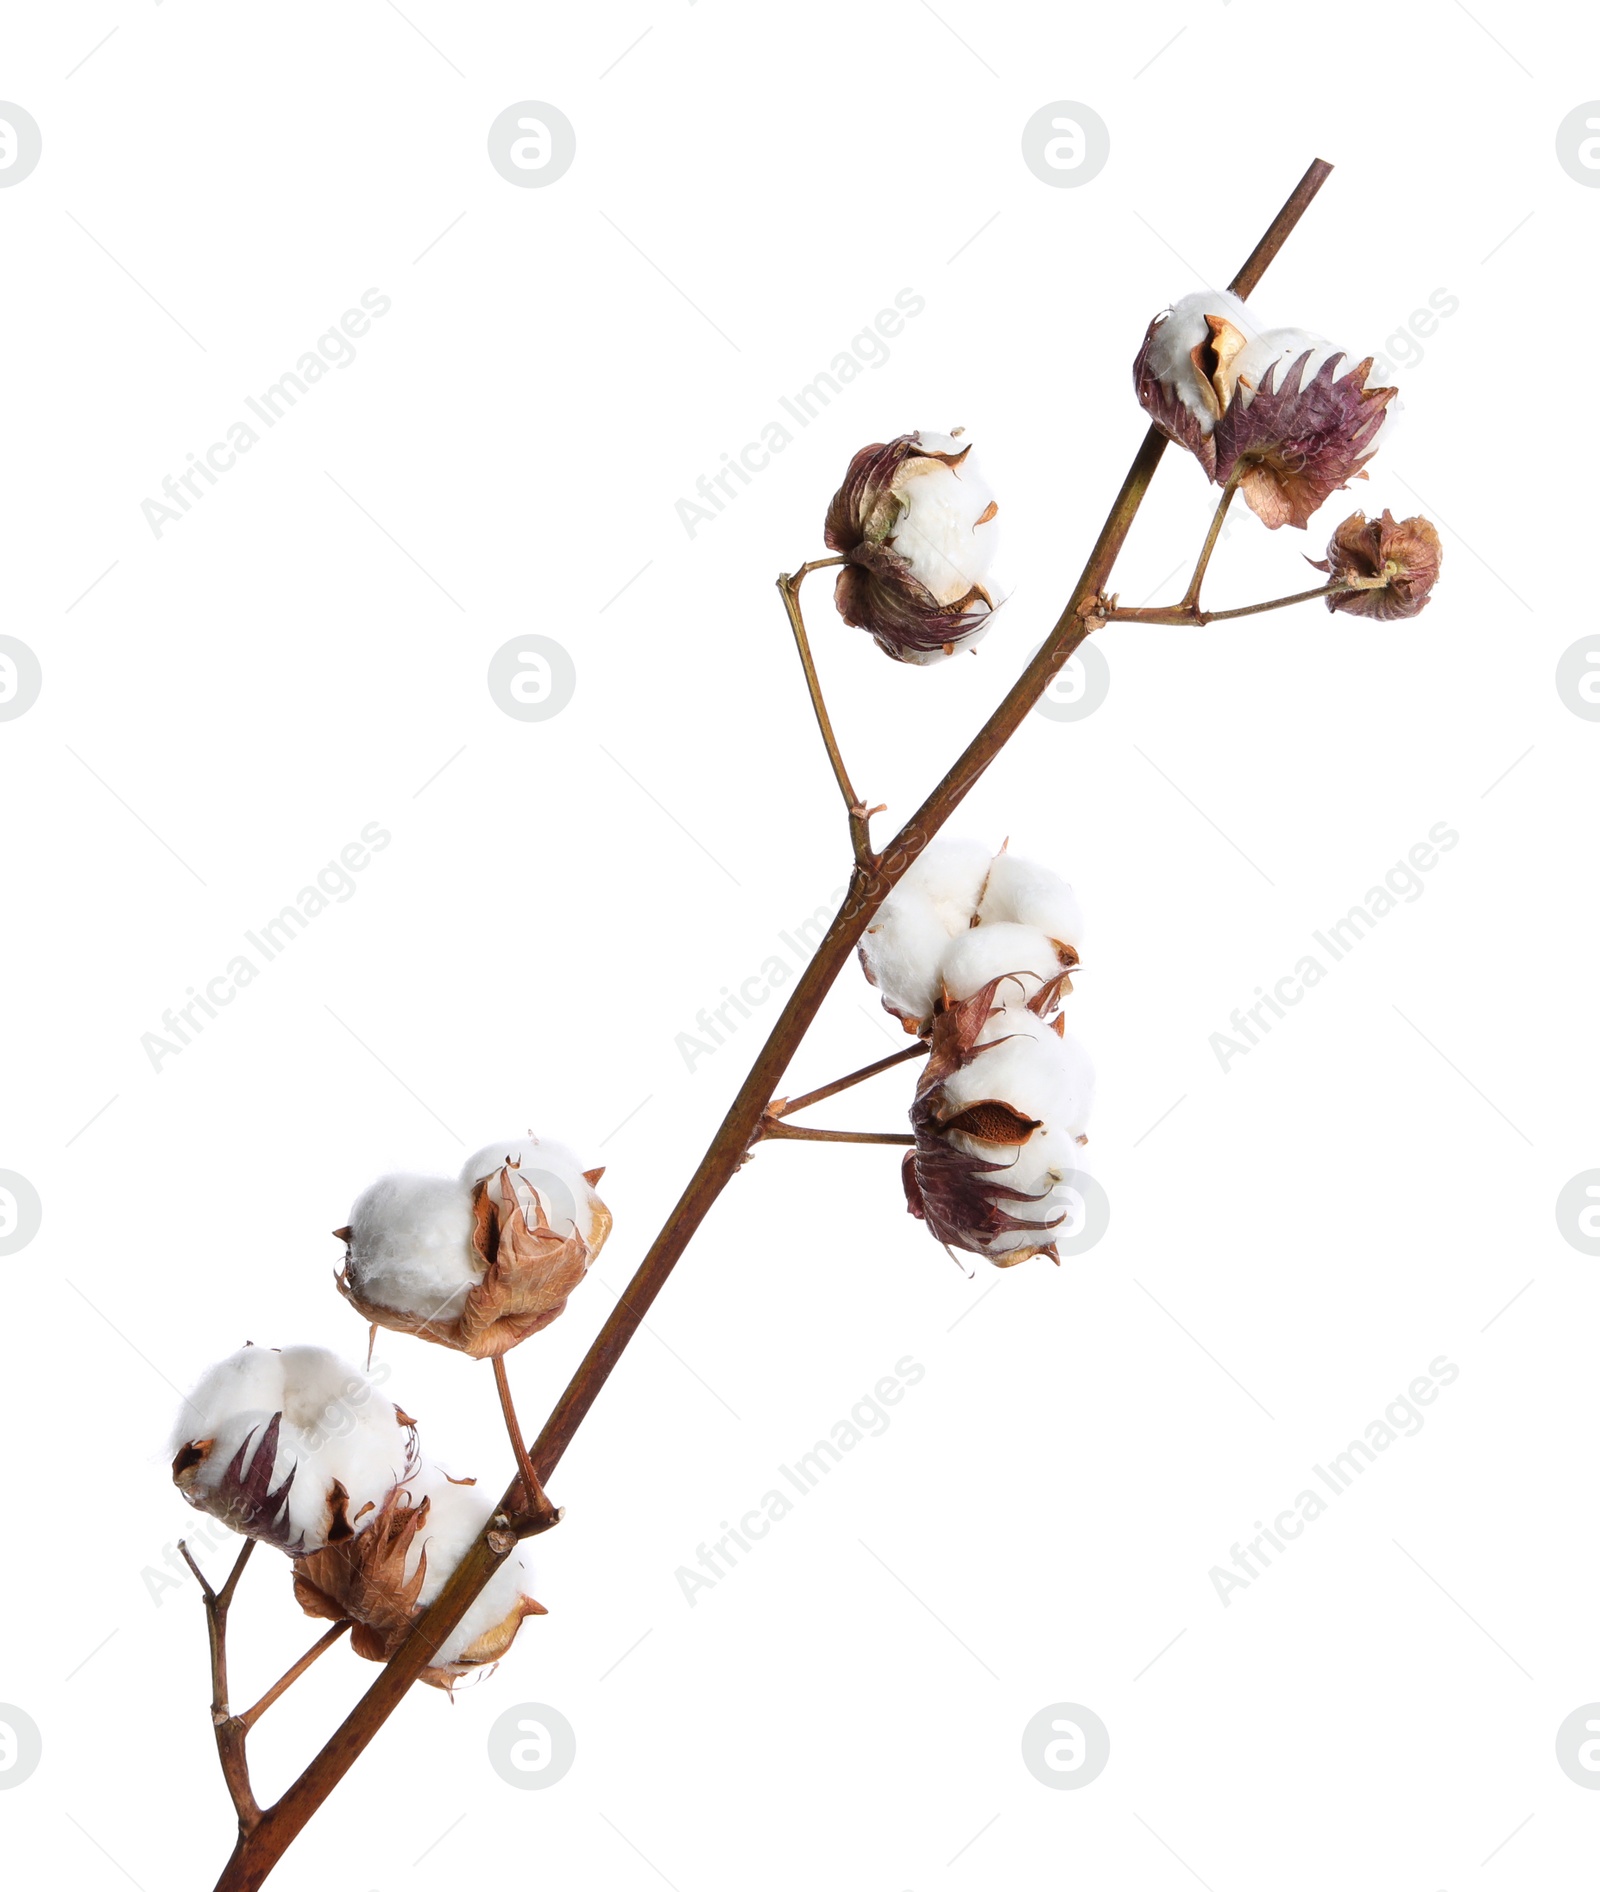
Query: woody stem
pixel 538 1513
pixel 1191 597
pixel 287 1680
pixel 856 810
pixel 787 1106
pixel 229 1729
pixel 776 1127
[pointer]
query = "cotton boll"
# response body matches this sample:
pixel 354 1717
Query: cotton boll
pixel 411 1246
pixel 1022 958
pixel 543 1168
pixel 900 954
pixel 1032 895
pixel 950 876
pixel 456 1517
pixel 267 1437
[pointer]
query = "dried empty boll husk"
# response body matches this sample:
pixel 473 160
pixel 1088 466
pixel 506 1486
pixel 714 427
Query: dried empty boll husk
pixel 481 1262
pixel 292 1446
pixel 961 916
pixel 1395 564
pixel 916 521
pixel 385 1576
pixel 1000 1116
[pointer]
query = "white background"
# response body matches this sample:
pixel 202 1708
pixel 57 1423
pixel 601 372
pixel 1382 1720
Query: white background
pixel 305 652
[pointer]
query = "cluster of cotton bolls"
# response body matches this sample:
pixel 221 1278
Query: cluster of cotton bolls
pixel 974 951
pixel 1284 412
pixel 301 1450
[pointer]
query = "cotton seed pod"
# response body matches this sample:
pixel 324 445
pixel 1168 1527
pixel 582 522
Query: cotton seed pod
pixel 479 1263
pixel 295 1447
pixel 1000 1110
pixel 383 1578
pixel 1302 424
pixel 916 521
pixel 917 951
pixel 1395 563
pixel 1184 372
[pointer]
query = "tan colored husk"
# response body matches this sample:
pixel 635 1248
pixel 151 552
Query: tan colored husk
pixel 362 1579
pixel 528 1274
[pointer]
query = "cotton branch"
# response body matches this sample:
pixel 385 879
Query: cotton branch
pixel 261 1846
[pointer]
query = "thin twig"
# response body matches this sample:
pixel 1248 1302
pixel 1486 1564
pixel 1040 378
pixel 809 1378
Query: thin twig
pixel 290 1676
pixel 1191 596
pixel 776 1127
pixel 535 1512
pixel 228 1729
pixel 258 1851
pixel 857 812
pixel 787 1106
pixel 1186 614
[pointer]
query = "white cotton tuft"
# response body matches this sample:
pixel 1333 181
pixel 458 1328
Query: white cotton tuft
pixel 545 1169
pixel 456 1517
pixel 411 1246
pixel 1033 896
pixel 1276 349
pixel 1020 1062
pixel 336 1426
pixel 901 951
pixel 950 876
pixel 1170 356
pixel 1021 957
pixel 937 532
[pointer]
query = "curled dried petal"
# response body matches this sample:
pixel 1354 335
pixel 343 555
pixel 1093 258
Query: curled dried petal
pixel 1394 563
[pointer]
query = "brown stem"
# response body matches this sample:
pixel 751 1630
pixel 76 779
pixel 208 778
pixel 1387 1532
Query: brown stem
pixel 787 1106
pixel 531 1510
pixel 776 1127
pixel 289 1677
pixel 1185 613
pixel 229 1729
pixel 258 1851
pixel 856 811
pixel 1191 596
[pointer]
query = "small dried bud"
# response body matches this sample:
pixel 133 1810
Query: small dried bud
pixel 916 521
pixel 1394 564
pixel 296 1447
pixel 1298 429
pixel 481 1263
pixel 385 1577
pixel 1000 1108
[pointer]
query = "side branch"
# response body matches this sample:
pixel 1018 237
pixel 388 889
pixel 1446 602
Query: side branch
pixel 857 812
pixel 787 1106
pixel 775 1127
pixel 230 1729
